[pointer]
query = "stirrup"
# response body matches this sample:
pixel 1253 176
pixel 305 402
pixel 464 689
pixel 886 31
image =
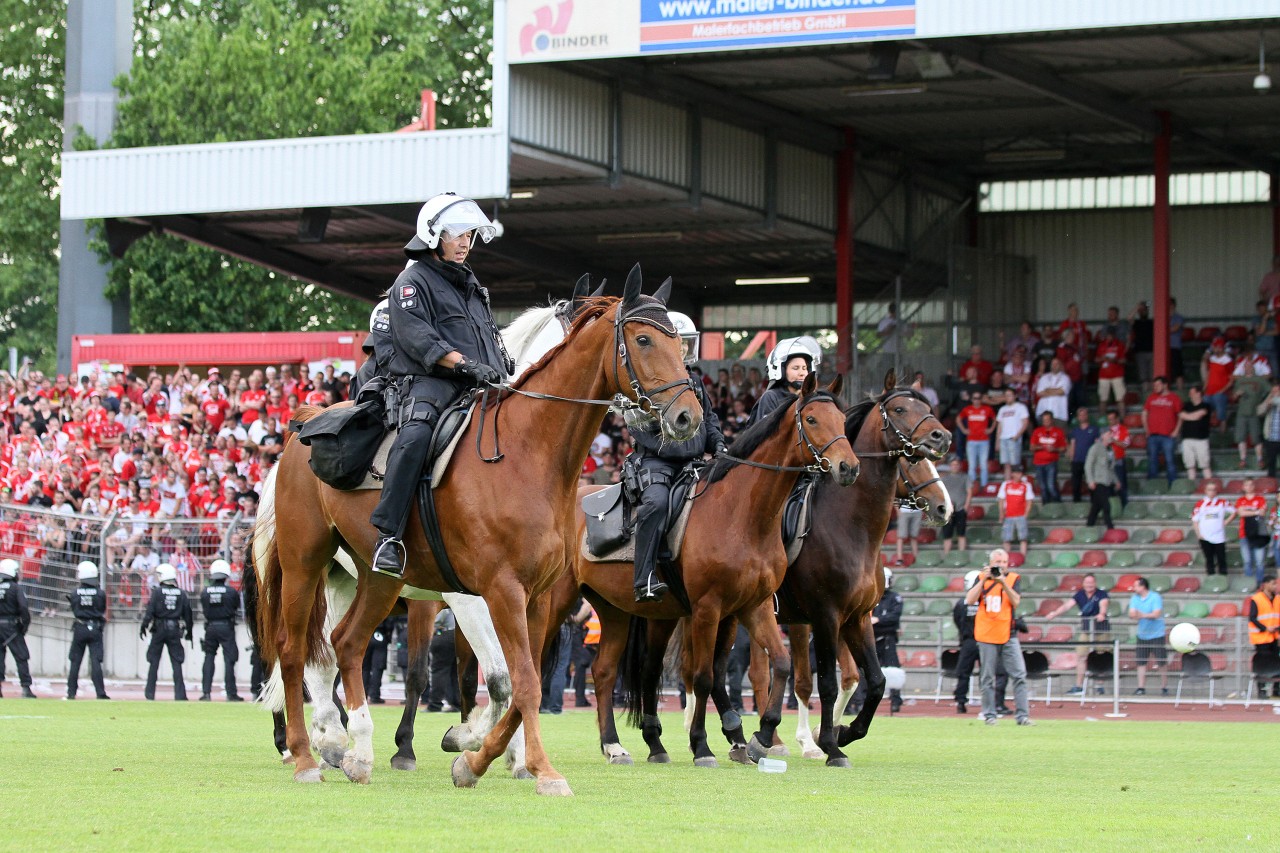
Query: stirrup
pixel 650 590
pixel 388 557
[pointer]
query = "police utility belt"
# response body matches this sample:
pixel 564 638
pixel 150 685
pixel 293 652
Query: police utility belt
pixel 400 408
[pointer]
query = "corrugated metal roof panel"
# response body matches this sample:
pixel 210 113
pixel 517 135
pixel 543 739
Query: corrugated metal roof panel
pixel 733 163
pixel 560 112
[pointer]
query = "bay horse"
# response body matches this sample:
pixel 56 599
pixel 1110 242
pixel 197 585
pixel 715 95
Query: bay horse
pixel 506 547
pixel 730 561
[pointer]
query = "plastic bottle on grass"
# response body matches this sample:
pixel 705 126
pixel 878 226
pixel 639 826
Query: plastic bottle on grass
pixel 772 765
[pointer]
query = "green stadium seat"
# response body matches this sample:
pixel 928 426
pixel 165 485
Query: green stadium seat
pixel 1216 584
pixel 1035 535
pixel 929 559
pixel 1039 560
pixel 1137 486
pixel 1235 560
pixel 1136 510
pixel 1104 579
pixel 1195 610
pixel 912 607
pixel 1066 560
pixel 957 559
pixel 982 535
pixel 1077 511
pixel 933 583
pixel 939 607
pixel 919 634
pixel 1142 536
pixel 1052 512
pixel 1242 584
pixel 1026 607
pixel 1150 559
pixel 903 582
pixel 949 632
pixel 1160 583
pixel 1043 583
pixel 1124 559
pixel 1164 510
pixel 1171 608
pixel 1089 535
pixel 1158 486
pixel 1182 487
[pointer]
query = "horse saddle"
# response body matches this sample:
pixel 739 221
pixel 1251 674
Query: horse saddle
pixel 608 537
pixel 444 441
pixel 797 517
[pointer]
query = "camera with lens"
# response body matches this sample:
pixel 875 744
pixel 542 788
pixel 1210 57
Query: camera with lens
pixel 993 571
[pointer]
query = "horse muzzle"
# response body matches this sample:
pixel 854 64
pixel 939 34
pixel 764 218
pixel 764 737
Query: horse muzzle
pixel 846 474
pixel 681 425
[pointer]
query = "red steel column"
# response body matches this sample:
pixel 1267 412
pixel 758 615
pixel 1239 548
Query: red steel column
pixel 1275 214
pixel 844 255
pixel 1160 241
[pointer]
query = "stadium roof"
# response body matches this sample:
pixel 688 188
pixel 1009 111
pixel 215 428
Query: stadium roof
pixel 949 112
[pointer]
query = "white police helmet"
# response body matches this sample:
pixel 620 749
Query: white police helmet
pixel 970 578
pixel 888 577
pixel 220 568
pixel 87 570
pixel 166 573
pixel 380 315
pixel 449 215
pixel 9 568
pixel 690 337
pixel 803 346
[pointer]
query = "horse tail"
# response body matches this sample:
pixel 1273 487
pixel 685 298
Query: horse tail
pixel 630 669
pixel 673 660
pixel 301 416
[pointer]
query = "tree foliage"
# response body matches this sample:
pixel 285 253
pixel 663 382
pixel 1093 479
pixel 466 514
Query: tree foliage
pixel 31 82
pixel 229 70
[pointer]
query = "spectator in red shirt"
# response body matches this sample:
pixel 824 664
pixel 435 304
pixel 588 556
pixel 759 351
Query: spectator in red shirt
pixel 1119 444
pixel 980 364
pixel 1217 369
pixel 1047 443
pixel 1253 505
pixel 1076 326
pixel 1110 356
pixel 215 407
pixel 1160 422
pixel 975 423
pixel 1014 499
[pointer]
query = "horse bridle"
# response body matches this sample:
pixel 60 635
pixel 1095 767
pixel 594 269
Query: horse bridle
pixel 821 464
pixel 906 451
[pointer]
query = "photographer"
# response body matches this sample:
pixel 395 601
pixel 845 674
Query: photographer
pixel 996 594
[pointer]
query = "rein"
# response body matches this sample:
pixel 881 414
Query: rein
pixel 906 450
pixel 820 465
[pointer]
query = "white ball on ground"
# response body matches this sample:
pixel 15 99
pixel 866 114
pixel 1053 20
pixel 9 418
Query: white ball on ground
pixel 1184 637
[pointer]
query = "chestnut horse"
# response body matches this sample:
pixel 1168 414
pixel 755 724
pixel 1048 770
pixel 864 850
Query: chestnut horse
pixel 730 561
pixel 508 527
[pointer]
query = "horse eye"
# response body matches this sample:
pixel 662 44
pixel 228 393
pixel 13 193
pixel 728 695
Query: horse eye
pixel 812 420
pixel 643 340
pixel 898 410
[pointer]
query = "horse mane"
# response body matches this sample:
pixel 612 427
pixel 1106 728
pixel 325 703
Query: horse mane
pixel 749 441
pixel 300 416
pixel 520 332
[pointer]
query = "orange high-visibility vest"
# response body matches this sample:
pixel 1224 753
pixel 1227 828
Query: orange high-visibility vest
pixel 1268 615
pixel 994 621
pixel 593 630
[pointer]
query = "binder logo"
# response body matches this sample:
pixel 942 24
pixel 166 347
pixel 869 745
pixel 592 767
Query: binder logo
pixel 540 35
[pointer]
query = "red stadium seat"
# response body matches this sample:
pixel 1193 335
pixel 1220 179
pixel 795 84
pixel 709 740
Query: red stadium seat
pixel 1224 610
pixel 1059 536
pixel 891 538
pixel 1115 536
pixel 1058 634
pixel 955 585
pixel 1265 485
pixel 1180 560
pixel 1138 441
pixel 1032 635
pixel 1200 484
pixel 1133 421
pixel 1188 335
pixel 1064 662
pixel 1208 636
pixel 1070 583
pixel 1126 583
pixel 1017 559
pixel 1048 606
pixel 1236 333
pixel 1218 661
pixel 921 660
pixel 1233 487
pixel 1093 559
pixel 1131 398
pixel 977 513
pixel 990 490
pixel 1186 585
pixel 928 535
pixel 908 559
pixel 1207 334
pixel 1170 536
pixel 960 465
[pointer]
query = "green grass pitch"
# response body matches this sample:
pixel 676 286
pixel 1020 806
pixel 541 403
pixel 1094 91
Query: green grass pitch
pixel 165 776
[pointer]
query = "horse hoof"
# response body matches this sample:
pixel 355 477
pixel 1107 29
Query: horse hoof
pixel 459 738
pixel 554 788
pixel 308 776
pixel 756 750
pixel 521 773
pixel 624 758
pixel 779 750
pixel 333 755
pixel 814 752
pixel 840 762
pixel 357 771
pixel 706 761
pixel 739 754
pixel 659 758
pixel 400 762
pixel 462 775
pixel 286 758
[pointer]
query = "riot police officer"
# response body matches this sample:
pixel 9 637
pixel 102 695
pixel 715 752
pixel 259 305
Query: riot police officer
pixel 443 341
pixel 375 661
pixel 15 618
pixel 220 603
pixel 89 607
pixel 657 462
pixel 377 349
pixel 170 611
pixel 885 619
pixel 788 364
pixel 444 663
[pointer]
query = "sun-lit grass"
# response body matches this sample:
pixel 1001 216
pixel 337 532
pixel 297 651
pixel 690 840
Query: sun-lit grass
pixel 92 775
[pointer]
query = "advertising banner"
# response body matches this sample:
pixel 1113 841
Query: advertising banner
pixel 689 25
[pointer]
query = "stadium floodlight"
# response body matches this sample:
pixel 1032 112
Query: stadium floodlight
pixel 867 89
pixel 1026 155
pixel 783 279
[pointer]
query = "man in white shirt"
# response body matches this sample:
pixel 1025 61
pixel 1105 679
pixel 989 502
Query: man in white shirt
pixel 1013 420
pixel 1052 391
pixel 1209 519
pixel 172 493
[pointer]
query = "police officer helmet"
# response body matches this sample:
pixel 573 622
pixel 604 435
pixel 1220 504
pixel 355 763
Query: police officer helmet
pixel 87 570
pixel 690 337
pixel 449 215
pixel 804 346
pixel 166 573
pixel 379 314
pixel 970 578
pixel 888 577
pixel 9 568
pixel 220 569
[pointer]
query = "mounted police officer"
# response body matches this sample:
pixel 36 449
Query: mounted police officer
pixel 170 611
pixel 443 342
pixel 656 463
pixel 15 618
pixel 788 364
pixel 220 603
pixel 89 607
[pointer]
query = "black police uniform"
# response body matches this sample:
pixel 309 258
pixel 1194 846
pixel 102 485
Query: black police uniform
pixel 444 663
pixel 220 603
pixel 375 661
pixel 436 307
pixel 170 611
pixel 89 607
pixel 658 462
pixel 780 393
pixel 377 349
pixel 888 613
pixel 15 618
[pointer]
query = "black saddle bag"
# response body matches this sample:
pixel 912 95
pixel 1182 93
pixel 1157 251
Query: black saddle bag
pixel 343 443
pixel 608 520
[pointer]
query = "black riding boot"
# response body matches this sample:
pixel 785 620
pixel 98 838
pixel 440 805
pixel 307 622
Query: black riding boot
pixel 404 470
